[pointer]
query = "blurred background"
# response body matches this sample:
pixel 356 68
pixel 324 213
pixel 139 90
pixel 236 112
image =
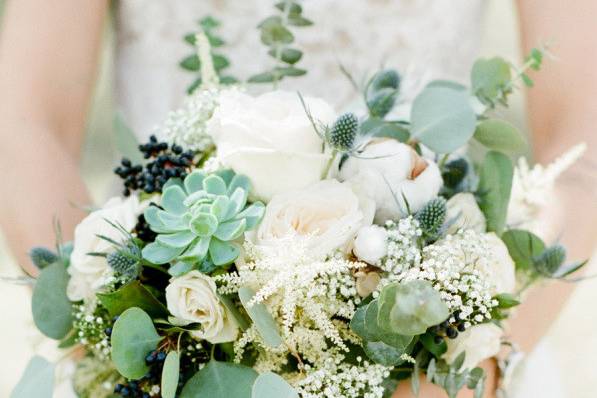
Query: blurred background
pixel 571 343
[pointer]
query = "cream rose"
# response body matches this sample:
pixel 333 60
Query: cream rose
pixel 390 171
pixel 371 244
pixel 478 342
pixel 192 298
pixel 270 139
pixel 88 273
pixel 464 213
pixel 501 270
pixel 327 215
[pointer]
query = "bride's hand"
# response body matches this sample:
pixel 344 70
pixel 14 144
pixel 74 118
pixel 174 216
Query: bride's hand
pixel 429 390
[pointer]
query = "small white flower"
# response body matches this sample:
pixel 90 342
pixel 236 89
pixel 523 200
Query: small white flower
pixel 88 273
pixel 371 244
pixel 478 342
pixel 270 139
pixel 389 172
pixel 192 298
pixel 464 213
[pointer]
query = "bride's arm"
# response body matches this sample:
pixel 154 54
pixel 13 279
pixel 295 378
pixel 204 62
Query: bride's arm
pixel 563 112
pixel 48 58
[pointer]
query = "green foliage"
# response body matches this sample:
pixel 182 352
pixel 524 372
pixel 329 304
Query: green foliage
pixel 410 308
pixel 170 374
pixel 42 257
pixel 523 246
pixel 51 308
pixel 442 119
pixel 437 349
pixel 551 260
pixel 377 127
pixel 264 322
pixel 453 379
pixel 381 92
pixel 91 377
pixel 201 219
pixel 191 62
pixel 495 184
pixel 37 380
pixel 270 385
pixel 276 35
pixel 123 265
pixel 432 216
pixel 490 81
pixel 500 136
pixel 343 133
pixel 133 294
pixel 133 337
pixel 220 380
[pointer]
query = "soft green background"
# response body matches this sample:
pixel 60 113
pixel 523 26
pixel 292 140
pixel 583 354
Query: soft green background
pixel 572 341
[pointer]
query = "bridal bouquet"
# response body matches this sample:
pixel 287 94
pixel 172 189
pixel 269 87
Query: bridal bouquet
pixel 266 246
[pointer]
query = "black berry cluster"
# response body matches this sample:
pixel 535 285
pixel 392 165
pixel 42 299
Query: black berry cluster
pixel 448 329
pixel 141 388
pixel 143 231
pixel 165 162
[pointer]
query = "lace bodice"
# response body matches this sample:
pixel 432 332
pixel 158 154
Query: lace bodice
pixel 423 39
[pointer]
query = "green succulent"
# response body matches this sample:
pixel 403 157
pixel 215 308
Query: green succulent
pixel 201 219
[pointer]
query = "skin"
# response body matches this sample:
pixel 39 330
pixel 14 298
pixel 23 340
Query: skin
pixel 48 61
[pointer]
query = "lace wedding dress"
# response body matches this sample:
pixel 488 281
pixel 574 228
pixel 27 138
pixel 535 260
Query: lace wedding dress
pixel 423 39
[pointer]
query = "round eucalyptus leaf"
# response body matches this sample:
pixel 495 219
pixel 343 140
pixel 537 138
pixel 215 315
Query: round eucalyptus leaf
pixel 442 119
pixel 133 337
pixel 264 322
pixel 37 380
pixel 221 380
pixel 270 385
pixel 500 136
pixel 382 353
pixel 51 308
pixel 524 247
pixel 170 373
pixel 489 78
pixel 410 308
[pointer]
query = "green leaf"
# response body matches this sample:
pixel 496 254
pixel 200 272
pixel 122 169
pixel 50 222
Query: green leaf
pixel 357 323
pixel 51 308
pixel 222 253
pixel 204 225
pixel 133 337
pixel 293 8
pixel 490 79
pixel 524 247
pixel 266 77
pixel 173 200
pixel 37 381
pixel 264 322
pixel 430 345
pixel 410 308
pixel 382 353
pixel 221 380
pixel 442 119
pixel 133 294
pixel 377 127
pixel 495 184
pixel 126 141
pixel 274 32
pixel 158 253
pixel 220 62
pixel 289 55
pixel 231 230
pixel 506 300
pixel 289 71
pixel 270 385
pixel 375 333
pixel 170 373
pixel 299 21
pixel 208 22
pixel 447 84
pixel 500 136
pixel 191 63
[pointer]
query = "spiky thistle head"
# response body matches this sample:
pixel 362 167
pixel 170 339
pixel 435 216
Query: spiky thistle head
pixel 551 259
pixel 123 264
pixel 343 133
pixel 432 216
pixel 42 257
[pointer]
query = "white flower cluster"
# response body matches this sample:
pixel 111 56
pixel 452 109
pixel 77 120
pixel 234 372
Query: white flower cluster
pixel 339 379
pixel 403 250
pixel 187 126
pixel 458 267
pixel 90 328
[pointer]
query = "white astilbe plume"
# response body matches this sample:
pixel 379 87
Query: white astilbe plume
pixel 532 186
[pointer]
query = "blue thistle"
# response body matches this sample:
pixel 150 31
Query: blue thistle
pixel 432 216
pixel 343 133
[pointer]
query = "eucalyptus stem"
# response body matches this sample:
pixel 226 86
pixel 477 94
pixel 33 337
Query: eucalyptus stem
pixel 329 164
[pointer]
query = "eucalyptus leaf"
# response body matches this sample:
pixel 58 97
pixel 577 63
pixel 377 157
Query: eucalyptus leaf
pixel 270 385
pixel 442 119
pixel 523 246
pixel 430 345
pixel 266 77
pixel 490 79
pixel 264 322
pixel 500 136
pixel 221 380
pixel 133 294
pixel 126 141
pixel 37 381
pixel 274 32
pixel 288 55
pixel 382 353
pixel 51 308
pixel 133 337
pixel 495 185
pixel 170 373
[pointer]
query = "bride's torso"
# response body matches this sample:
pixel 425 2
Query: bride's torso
pixel 423 39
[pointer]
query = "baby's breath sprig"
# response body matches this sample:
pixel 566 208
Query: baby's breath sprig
pixel 276 35
pixel 192 62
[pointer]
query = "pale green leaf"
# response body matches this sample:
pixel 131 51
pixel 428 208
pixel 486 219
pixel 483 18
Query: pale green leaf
pixel 222 253
pixel 170 373
pixel 51 308
pixel 500 136
pixel 270 385
pixel 133 294
pixel 495 184
pixel 221 380
pixel 37 381
pixel 126 141
pixel 264 322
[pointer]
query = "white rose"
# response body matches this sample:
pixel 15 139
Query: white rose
pixel 88 273
pixel 391 171
pixel 464 213
pixel 501 271
pixel 327 215
pixel 479 342
pixel 371 244
pixel 192 298
pixel 270 139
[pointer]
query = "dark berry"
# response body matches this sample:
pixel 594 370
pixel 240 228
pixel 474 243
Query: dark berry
pixel 451 333
pixel 108 331
pixel 438 339
pixel 461 327
pixel 118 387
pixel 161 356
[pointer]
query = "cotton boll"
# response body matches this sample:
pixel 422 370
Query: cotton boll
pixel 478 343
pixel 464 213
pixel 371 244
